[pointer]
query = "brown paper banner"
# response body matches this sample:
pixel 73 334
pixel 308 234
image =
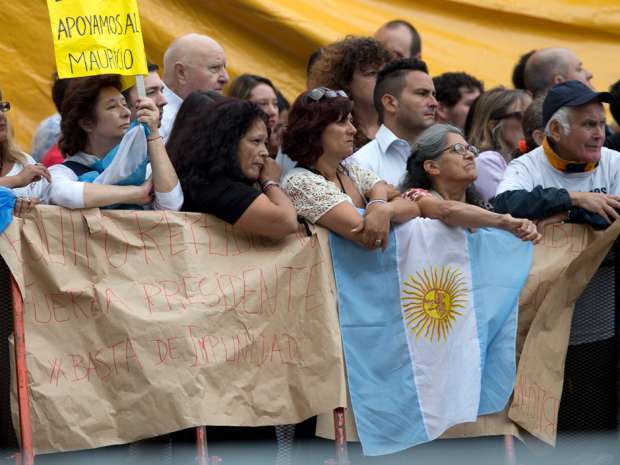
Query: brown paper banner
pixel 142 323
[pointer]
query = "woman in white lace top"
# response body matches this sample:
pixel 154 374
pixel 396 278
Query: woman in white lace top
pixel 324 188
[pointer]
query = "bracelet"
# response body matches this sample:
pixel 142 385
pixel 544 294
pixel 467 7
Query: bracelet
pixel 269 184
pixel 153 138
pixel 375 202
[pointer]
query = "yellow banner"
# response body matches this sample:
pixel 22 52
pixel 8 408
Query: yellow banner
pixel 94 37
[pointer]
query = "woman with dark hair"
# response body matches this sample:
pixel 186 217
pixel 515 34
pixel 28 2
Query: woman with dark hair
pixel 494 125
pixel 18 171
pixel 442 164
pixel 105 164
pixel 221 156
pixel 352 65
pixel 324 188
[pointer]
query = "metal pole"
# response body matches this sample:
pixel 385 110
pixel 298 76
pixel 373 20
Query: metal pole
pixel 21 370
pixel 202 454
pixel 340 433
pixel 511 459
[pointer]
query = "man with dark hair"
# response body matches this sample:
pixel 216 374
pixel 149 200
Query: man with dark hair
pixel 518 72
pixel 550 66
pixel 404 97
pixel 400 38
pixel 311 61
pixel 455 94
pixel 154 88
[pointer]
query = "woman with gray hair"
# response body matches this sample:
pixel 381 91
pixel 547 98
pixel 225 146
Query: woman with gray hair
pixel 440 173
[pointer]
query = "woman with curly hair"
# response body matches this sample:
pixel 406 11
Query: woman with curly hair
pixel 494 124
pixel 220 154
pixel 352 65
pixel 18 171
pixel 98 171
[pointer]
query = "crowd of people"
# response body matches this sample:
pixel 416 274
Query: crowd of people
pixel 375 140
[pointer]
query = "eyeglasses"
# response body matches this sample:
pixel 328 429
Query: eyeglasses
pixel 462 149
pixel 4 107
pixel 320 92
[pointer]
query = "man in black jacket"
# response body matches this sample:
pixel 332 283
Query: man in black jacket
pixel 571 177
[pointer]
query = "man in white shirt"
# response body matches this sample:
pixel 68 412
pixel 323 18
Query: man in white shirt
pixel 571 177
pixel 404 97
pixel 192 62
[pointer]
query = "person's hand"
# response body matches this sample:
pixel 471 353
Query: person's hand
pixel 602 204
pixel 32 173
pixel 557 218
pixel 523 228
pixel 271 171
pixel 149 114
pixel 23 205
pixel 375 227
pixel 143 193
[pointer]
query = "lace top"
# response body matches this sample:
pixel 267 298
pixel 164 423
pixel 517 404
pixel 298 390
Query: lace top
pixel 312 195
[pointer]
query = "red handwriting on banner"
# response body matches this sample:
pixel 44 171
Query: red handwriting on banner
pixel 561 235
pixel 208 349
pixel 132 237
pixel 537 403
pixel 252 291
pixel 192 347
pixel 70 305
pixel 100 364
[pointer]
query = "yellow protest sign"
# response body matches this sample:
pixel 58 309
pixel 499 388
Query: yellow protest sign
pixel 97 37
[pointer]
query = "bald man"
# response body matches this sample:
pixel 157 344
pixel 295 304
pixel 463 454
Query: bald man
pixel 192 62
pixel 550 66
pixel 400 38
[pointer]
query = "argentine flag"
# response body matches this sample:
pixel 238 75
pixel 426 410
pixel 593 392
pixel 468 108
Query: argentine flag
pixel 428 328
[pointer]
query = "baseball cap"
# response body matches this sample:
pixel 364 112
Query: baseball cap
pixel 570 94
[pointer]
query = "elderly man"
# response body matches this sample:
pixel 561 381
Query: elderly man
pixel 571 175
pixel 400 38
pixel 192 62
pixel 550 66
pixel 404 97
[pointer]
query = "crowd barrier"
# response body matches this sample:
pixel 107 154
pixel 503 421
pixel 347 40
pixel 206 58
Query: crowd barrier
pixel 599 298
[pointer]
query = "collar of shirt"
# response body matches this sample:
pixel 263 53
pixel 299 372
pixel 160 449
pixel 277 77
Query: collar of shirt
pixel 174 101
pixel 388 143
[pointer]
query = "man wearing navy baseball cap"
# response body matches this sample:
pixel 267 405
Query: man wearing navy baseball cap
pixel 571 177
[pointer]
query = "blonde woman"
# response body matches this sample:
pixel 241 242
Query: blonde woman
pixel 18 171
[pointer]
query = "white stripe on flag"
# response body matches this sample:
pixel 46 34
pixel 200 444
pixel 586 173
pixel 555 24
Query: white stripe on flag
pixel 437 305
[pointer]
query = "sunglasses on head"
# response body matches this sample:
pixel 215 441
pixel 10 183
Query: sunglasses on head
pixel 320 92
pixel 4 107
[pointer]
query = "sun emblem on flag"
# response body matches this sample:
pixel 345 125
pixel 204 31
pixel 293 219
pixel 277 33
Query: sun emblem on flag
pixel 431 301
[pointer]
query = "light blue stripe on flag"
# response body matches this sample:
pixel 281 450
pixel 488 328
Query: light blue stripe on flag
pixel 379 371
pixel 497 282
pixel 410 378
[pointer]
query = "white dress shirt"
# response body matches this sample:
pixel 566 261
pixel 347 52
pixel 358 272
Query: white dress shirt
pixel 386 156
pixel 170 113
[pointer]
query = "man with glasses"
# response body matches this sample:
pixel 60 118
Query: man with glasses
pixel 193 62
pixel 404 97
